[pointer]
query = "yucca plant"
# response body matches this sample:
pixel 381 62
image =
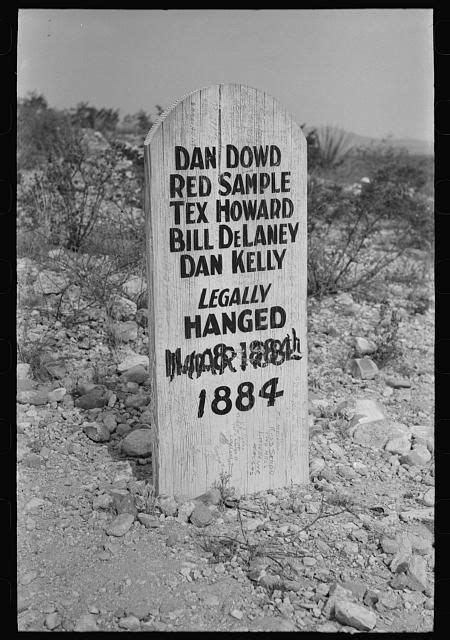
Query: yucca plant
pixel 333 146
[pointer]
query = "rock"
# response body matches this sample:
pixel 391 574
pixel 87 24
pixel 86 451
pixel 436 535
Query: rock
pixel 149 521
pixel 94 399
pixel 110 422
pixel 57 394
pixel 211 497
pixel 371 598
pixel 354 615
pixel 236 613
pixel 87 622
pixel 139 443
pixel 363 368
pixel 134 286
pixel 103 501
pixel 399 445
pixel 336 450
pixel 120 525
pixel 125 331
pixel 137 400
pixel 137 374
pixel 37 398
pixel 399 562
pixel 418 457
pixel 56 368
pixel 52 621
pixel 363 347
pixel 417 514
pixel 130 622
pixel 97 432
pixel 168 505
pixel 185 510
pixel 122 308
pixel 365 410
pixel 420 545
pixel 428 498
pixel 376 434
pixel 132 361
pixel 201 516
pixel 315 467
pixel 142 318
pixel 122 429
pixel 388 600
pixel 357 588
pixel 417 573
pixel 23 371
pixel 124 503
pixel 33 504
pixel 397 383
pixel 32 460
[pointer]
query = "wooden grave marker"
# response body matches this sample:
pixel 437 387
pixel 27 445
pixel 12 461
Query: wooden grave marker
pixel 225 202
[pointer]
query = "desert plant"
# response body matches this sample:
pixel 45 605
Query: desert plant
pixel 386 335
pixel 333 146
pixel 75 190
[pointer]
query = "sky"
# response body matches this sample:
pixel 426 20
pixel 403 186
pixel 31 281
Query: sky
pixel 366 71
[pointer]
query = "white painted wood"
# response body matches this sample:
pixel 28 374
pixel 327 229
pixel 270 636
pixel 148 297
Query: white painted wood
pixel 266 446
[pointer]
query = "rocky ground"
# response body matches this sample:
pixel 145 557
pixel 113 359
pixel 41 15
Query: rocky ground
pixel 98 550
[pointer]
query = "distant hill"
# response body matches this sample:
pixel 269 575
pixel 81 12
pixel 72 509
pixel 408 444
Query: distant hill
pixel 416 147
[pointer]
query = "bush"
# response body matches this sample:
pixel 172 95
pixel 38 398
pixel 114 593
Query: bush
pixel 79 189
pixel 354 235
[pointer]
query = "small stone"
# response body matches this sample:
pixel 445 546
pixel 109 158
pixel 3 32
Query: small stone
pixel 399 562
pixel 201 516
pixel 139 443
pixel 236 613
pixel 120 525
pixel 397 383
pixel 364 368
pixel 428 498
pixel 94 399
pixel 110 422
pixel 32 460
pixel 316 466
pixel 388 600
pixel 37 398
pixel 137 374
pixel 354 615
pixel 371 598
pixel 409 515
pixel 375 434
pixel 132 361
pixel 97 432
pixel 168 505
pixel 185 510
pixel 400 445
pixel 137 400
pixel 86 622
pixel 130 622
pixel 363 347
pixel 308 561
pixel 417 574
pixel 149 521
pixel 357 588
pixel 57 394
pixel 125 331
pixel 124 503
pixel 418 456
pixel 211 497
